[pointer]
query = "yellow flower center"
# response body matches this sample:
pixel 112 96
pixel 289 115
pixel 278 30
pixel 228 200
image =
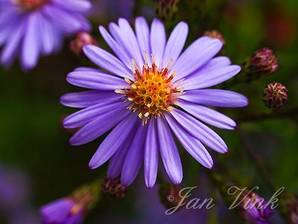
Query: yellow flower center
pixel 151 93
pixel 30 4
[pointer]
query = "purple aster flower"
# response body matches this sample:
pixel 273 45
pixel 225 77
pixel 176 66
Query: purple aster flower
pixel 30 28
pixel 255 209
pixel 148 93
pixel 62 211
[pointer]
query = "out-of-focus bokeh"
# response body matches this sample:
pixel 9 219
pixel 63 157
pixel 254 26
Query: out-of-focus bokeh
pixel 38 165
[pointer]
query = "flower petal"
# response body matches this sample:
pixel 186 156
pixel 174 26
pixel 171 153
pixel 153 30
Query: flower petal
pixel 175 44
pixel 143 34
pixel 87 98
pixel 113 141
pixel 191 144
pixel 157 41
pixel 48 36
pixel 207 115
pixel 117 160
pixel 77 6
pixel 116 47
pixel 84 116
pixel 210 77
pixel 169 153
pixel 98 126
pixel 12 44
pixel 215 97
pixel 106 61
pixel 200 131
pixel 130 42
pixel 151 155
pixel 196 55
pixel 68 24
pixel 134 157
pixel 31 47
pixel 95 80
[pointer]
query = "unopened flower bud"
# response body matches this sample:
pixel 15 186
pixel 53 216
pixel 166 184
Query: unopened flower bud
pixel 165 9
pixel 114 188
pixel 169 195
pixel 275 95
pixel 71 209
pixel 215 35
pixel 263 61
pixel 80 40
pixel 255 209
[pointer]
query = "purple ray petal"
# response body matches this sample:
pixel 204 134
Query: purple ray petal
pixel 169 152
pixel 31 44
pixel 95 80
pixel 117 160
pixel 84 116
pixel 214 63
pixel 134 157
pixel 106 61
pixel 84 23
pixel 68 24
pixel 151 155
pixel 130 41
pixel 210 77
pixel 157 40
pixel 87 98
pixel 113 141
pixel 196 55
pixel 143 34
pixel 191 144
pixel 215 97
pixel 12 44
pixel 6 31
pixel 78 6
pixel 117 48
pixel 200 131
pixel 175 44
pixel 47 36
pixel 207 115
pixel 97 127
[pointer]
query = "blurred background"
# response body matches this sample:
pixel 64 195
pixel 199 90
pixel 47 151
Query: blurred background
pixel 37 164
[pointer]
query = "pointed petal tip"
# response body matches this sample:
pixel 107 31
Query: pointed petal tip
pixel 87 48
pixel 93 164
pixel 72 141
pixel 149 185
pixel 246 101
pixel 176 180
pixel 125 181
pixel 208 165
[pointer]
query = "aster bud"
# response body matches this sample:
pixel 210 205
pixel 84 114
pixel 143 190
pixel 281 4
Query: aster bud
pixel 81 39
pixel 263 61
pixel 215 35
pixel 165 9
pixel 275 95
pixel 169 195
pixel 71 209
pixel 255 209
pixel 114 188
